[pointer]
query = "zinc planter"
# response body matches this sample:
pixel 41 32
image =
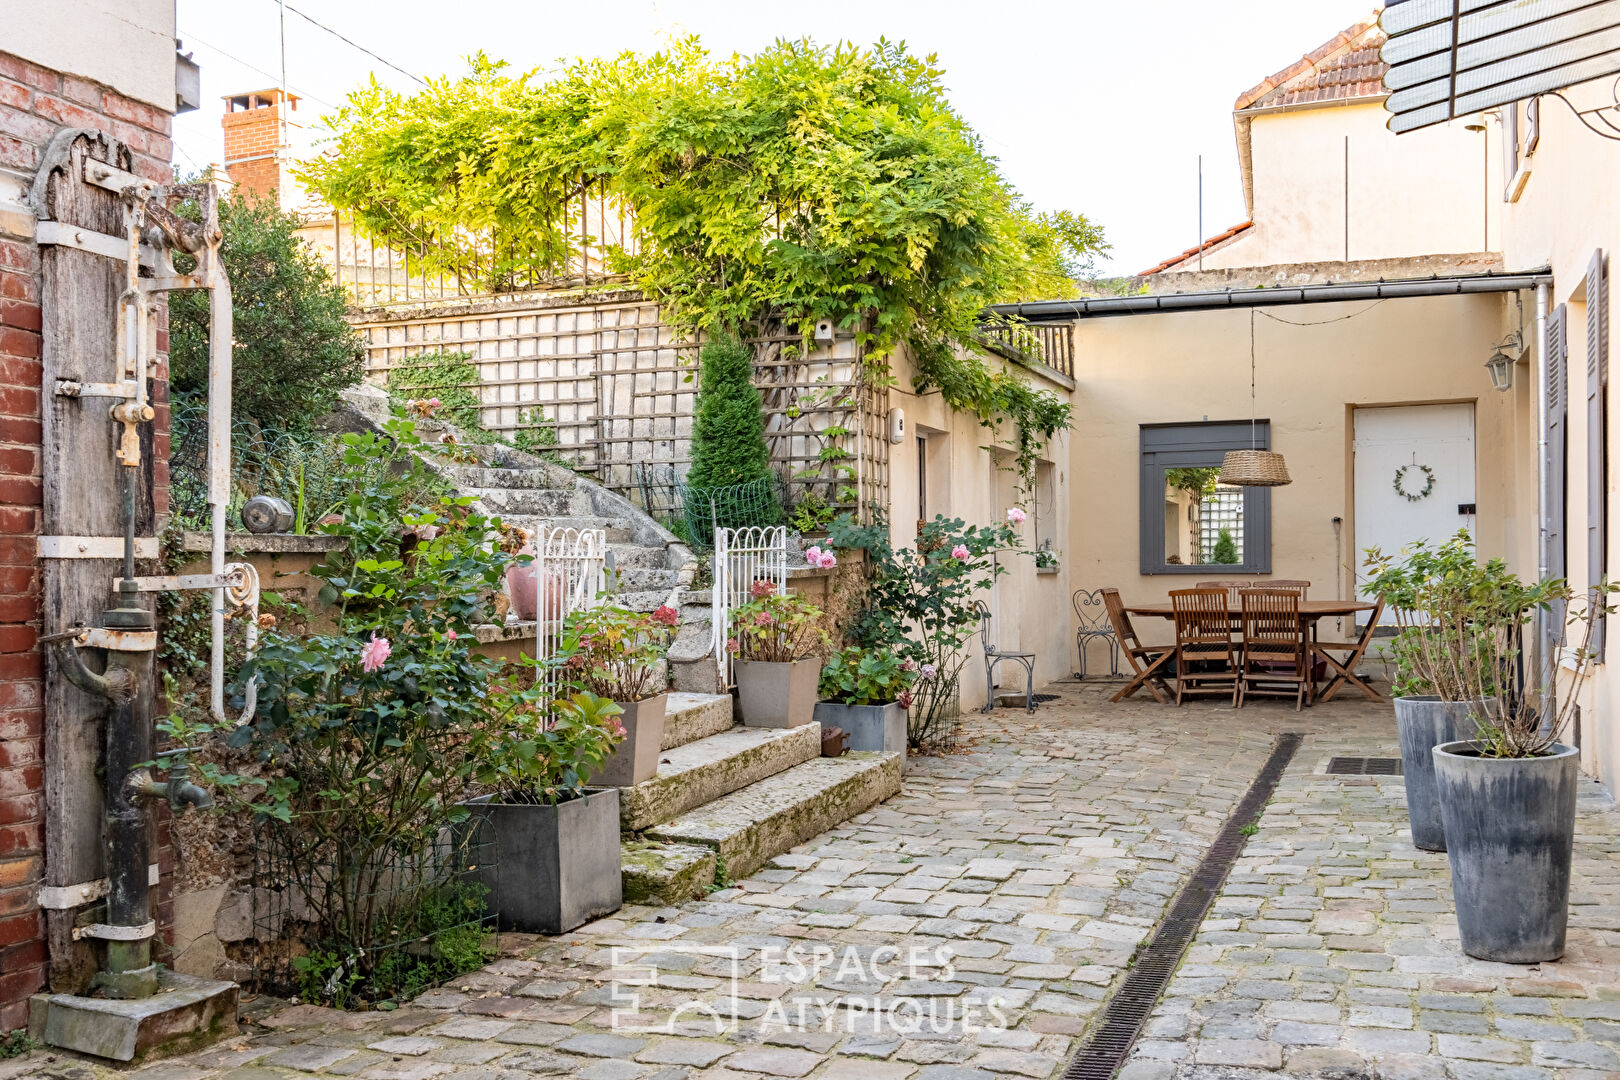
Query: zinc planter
pixel 635 760
pixel 870 727
pixel 550 869
pixel 1423 724
pixel 1510 836
pixel 777 694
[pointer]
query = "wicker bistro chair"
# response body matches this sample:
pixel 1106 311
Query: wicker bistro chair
pixel 1275 652
pixel 993 656
pixel 1206 663
pixel 1094 625
pixel 1344 671
pixel 1146 660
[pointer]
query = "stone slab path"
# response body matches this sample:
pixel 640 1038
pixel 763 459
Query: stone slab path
pixel 969 928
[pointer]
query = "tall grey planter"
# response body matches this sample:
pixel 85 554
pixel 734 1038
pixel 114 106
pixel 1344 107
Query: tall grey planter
pixel 635 760
pixel 777 694
pixel 870 727
pixel 1510 836
pixel 1423 723
pixel 550 869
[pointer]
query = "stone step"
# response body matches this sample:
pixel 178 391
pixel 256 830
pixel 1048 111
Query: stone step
pixel 642 599
pixel 702 771
pixel 542 502
pixel 641 578
pixel 477 476
pixel 617 529
pixel 750 826
pixel 636 555
pixel 659 874
pixel 690 717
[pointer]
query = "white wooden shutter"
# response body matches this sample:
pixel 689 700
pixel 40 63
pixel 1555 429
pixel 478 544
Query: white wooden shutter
pixel 1557 406
pixel 1597 432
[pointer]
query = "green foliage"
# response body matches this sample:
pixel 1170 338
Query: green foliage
pixel 857 676
pixel 921 604
pixel 1198 481
pixel 800 183
pixel 728 432
pixel 1226 551
pixel 293 351
pixel 811 514
pixel 441 936
pixel 1250 829
pixel 537 432
pixel 451 377
pixel 614 652
pixel 775 628
pixel 16 1043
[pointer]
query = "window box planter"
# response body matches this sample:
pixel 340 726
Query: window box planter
pixel 550 869
pixel 1510 836
pixel 870 727
pixel 635 760
pixel 777 694
pixel 1423 723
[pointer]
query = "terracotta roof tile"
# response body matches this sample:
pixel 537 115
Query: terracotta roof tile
pixel 1343 69
pixel 1207 245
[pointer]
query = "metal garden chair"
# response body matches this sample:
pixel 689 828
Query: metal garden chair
pixel 1094 624
pixel 993 656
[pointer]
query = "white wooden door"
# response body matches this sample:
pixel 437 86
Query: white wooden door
pixel 1420 448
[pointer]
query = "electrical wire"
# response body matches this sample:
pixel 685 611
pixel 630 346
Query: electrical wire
pixel 1318 322
pixel 354 44
pixel 185 36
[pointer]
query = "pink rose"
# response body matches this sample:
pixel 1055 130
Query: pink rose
pixel 960 551
pixel 827 560
pixel 451 634
pixel 374 653
pixel 812 555
pixel 1015 515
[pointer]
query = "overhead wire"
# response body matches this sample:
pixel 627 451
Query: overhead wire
pixel 354 44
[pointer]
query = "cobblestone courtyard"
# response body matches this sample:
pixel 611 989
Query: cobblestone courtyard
pixel 1041 855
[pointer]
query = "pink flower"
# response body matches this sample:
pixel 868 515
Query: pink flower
pixel 909 665
pixel 904 699
pixel 827 560
pixel 732 646
pixel 1015 515
pixel 665 614
pixel 929 671
pixel 451 634
pixel 374 652
pixel 812 555
pixel 960 551
pixel 761 588
pixel 762 619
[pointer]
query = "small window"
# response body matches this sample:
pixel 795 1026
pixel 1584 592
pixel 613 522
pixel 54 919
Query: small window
pixel 1190 521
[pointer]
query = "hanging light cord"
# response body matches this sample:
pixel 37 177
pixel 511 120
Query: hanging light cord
pixel 1251 380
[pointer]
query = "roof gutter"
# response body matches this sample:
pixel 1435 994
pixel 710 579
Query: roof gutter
pixel 1461 285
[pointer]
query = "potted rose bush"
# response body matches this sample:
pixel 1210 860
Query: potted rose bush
pixel 618 654
pixel 1432 591
pixel 775 640
pixel 866 692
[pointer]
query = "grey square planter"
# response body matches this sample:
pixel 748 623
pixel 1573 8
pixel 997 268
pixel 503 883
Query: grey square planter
pixel 635 760
pixel 550 869
pixel 777 695
pixel 870 727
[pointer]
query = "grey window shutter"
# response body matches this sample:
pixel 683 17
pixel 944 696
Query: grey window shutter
pixel 1510 146
pixel 1597 431
pixel 1557 403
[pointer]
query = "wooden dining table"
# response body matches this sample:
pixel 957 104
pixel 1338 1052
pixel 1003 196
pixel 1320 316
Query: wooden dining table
pixel 1311 612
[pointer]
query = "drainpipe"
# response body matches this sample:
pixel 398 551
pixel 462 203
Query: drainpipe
pixel 1543 472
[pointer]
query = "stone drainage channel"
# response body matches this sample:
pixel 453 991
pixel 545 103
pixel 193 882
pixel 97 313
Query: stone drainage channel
pixel 1122 1018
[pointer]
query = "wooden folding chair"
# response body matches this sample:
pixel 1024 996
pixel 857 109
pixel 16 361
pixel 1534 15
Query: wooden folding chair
pixel 1345 671
pixel 1205 661
pixel 1274 646
pixel 1145 660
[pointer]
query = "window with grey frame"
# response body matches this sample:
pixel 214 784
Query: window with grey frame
pixel 1190 522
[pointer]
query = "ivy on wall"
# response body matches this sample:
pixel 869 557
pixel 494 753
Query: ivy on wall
pixel 800 183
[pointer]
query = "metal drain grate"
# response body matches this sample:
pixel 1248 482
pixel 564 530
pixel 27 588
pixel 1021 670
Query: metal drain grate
pixel 1364 766
pixel 1117 1029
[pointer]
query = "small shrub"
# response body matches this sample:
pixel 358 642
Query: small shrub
pixel 857 676
pixel 16 1043
pixel 775 628
pixel 728 432
pixel 1226 552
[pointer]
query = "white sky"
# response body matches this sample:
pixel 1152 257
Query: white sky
pixel 1096 106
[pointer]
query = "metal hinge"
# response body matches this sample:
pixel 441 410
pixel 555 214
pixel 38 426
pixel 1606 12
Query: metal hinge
pixel 93 547
pixel 103 932
pixel 177 582
pixel 96 243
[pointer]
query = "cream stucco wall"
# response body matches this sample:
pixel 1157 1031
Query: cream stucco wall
pixel 1410 195
pixel 1193 366
pixel 125 44
pixel 1568 208
pixel 968 481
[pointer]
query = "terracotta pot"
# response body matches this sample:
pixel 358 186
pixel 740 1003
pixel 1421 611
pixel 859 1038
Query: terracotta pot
pixel 553 596
pixel 635 760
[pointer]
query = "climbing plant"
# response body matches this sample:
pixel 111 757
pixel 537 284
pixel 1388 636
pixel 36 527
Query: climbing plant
pixel 800 183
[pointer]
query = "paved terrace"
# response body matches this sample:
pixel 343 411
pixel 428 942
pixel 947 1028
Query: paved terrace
pixel 1041 855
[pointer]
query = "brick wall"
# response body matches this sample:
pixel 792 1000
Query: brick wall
pixel 252 142
pixel 34 104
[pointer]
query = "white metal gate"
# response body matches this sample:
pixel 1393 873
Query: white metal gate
pixel 569 576
pixel 742 557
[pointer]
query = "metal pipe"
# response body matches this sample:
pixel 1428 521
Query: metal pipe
pixel 1459 285
pixel 219 458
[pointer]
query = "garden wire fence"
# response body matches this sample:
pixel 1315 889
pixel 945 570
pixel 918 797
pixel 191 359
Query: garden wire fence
pixel 693 513
pixel 359 923
pixel 303 468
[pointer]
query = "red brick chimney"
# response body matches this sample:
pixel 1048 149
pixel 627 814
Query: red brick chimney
pixel 255 150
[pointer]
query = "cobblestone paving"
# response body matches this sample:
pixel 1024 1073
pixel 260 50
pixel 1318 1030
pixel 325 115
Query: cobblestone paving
pixel 1040 856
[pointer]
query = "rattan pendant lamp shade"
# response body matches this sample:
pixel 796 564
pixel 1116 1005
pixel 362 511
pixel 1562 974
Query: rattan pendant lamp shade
pixel 1253 467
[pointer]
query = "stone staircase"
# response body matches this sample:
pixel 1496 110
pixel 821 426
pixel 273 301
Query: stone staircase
pixel 728 798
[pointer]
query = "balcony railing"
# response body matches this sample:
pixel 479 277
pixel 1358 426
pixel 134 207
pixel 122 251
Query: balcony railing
pixel 1048 344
